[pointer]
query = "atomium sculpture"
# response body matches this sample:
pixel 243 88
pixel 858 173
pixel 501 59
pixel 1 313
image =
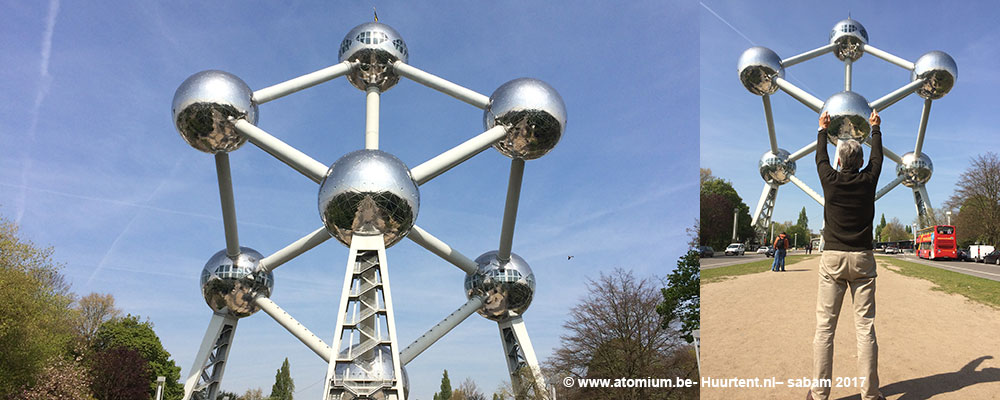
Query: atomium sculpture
pixel 368 200
pixel 762 73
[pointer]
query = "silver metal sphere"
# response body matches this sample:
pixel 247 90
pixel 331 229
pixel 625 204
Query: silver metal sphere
pixel 376 365
pixel 849 114
pixel 776 169
pixel 939 72
pixel 203 105
pixel 229 285
pixel 507 287
pixel 850 37
pixel 368 192
pixel 758 66
pixel 374 47
pixel 533 113
pixel 915 170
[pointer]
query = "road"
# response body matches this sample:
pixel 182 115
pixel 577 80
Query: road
pixel 986 271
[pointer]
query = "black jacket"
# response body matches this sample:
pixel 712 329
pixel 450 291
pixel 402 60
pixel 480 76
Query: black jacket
pixel 850 197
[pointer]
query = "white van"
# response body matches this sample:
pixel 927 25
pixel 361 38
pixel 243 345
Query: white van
pixel 978 251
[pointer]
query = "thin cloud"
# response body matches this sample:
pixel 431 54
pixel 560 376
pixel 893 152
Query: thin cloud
pixel 45 82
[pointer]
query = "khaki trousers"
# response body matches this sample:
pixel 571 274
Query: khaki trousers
pixel 838 272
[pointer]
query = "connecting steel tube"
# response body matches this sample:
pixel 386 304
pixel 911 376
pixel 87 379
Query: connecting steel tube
pixel 809 55
pixel 298 160
pixel 456 155
pixel 441 249
pixel 770 124
pixel 802 96
pixel 434 82
pixel 228 204
pixel 371 118
pixel 438 331
pixel 294 249
pixel 303 82
pixel 510 209
pixel 307 338
pixel 888 57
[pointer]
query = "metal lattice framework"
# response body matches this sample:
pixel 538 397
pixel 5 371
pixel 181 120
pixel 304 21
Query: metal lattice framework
pixel 762 73
pixel 368 200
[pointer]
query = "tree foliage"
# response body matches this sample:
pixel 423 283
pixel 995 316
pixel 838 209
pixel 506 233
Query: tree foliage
pixel 60 379
pixel 120 373
pixel 284 386
pixel 35 317
pixel 445 393
pixel 130 333
pixel 681 297
pixel 615 331
pixel 718 201
pixel 977 199
pixel 93 310
pixel 468 390
pixel 803 221
pixel 895 231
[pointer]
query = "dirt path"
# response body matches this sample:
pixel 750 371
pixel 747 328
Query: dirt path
pixel 932 345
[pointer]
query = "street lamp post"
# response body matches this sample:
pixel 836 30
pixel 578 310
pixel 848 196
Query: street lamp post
pixel 159 387
pixel 949 217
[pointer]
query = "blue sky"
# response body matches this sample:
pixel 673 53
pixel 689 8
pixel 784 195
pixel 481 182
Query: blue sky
pixel 961 125
pixel 90 162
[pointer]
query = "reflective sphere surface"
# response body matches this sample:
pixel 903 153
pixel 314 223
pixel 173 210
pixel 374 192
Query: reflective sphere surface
pixel 758 66
pixel 229 285
pixel 850 37
pixel 203 105
pixel 915 170
pixel 507 288
pixel 776 168
pixel 368 192
pixel 849 114
pixel 373 366
pixel 939 72
pixel 533 113
pixel 374 47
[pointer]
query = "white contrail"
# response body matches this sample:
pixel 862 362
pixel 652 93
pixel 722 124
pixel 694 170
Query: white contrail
pixel 45 81
pixel 727 23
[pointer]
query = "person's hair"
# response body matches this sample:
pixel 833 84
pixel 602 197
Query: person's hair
pixel 851 156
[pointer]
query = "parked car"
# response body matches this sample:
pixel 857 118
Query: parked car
pixel 735 249
pixel 963 254
pixel 978 251
pixel 706 251
pixel 892 250
pixel 770 252
pixel 763 249
pixel 992 258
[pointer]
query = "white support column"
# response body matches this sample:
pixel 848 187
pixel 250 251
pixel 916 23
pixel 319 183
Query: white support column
pixel 355 368
pixel 294 249
pixel 847 74
pixel 802 96
pixel 293 326
pixel 887 188
pixel 467 95
pixel 896 95
pixel 438 331
pixel 210 362
pixel 520 354
pixel 228 204
pixel 888 57
pixel 770 124
pixel 804 151
pixel 456 155
pixel 298 160
pixel 925 213
pixel 510 209
pixel 805 188
pixel 809 55
pixel 371 118
pixel 442 249
pixel 924 115
pixel 765 206
pixel 303 82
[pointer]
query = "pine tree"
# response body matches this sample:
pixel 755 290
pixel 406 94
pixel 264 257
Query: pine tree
pixel 445 393
pixel 283 384
pixel 803 219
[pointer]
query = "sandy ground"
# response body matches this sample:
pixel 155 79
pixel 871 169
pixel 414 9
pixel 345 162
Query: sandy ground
pixel 932 345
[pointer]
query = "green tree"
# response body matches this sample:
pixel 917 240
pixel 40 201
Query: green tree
pixel 35 317
pixel 803 221
pixel 718 201
pixel 283 387
pixel 681 299
pixel 129 332
pixel 61 379
pixel 445 393
pixel 977 199
pixel 879 228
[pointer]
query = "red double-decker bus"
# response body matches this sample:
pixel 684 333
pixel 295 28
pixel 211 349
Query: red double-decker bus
pixel 937 242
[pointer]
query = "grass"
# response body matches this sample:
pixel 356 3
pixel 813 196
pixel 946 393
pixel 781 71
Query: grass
pixel 980 290
pixel 729 271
